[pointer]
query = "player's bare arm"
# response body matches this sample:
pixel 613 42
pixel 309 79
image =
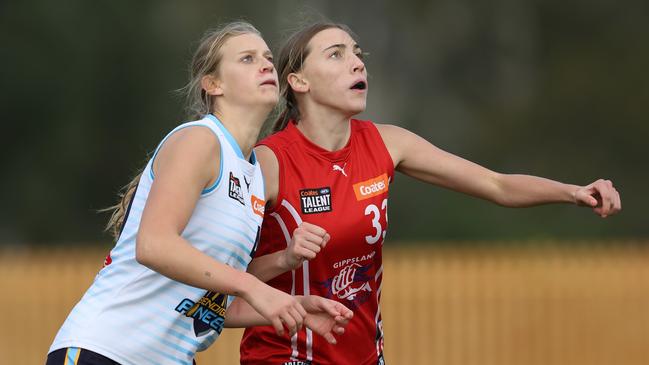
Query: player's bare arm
pixel 418 158
pixel 187 163
pixel 324 317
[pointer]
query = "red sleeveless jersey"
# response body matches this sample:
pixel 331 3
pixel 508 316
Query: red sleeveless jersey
pixel 346 193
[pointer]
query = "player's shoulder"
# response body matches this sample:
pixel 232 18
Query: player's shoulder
pixel 280 140
pixel 372 127
pixel 192 136
pixel 361 124
pixel 373 130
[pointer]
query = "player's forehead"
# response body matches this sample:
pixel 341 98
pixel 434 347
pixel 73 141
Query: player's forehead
pixel 248 42
pixel 329 37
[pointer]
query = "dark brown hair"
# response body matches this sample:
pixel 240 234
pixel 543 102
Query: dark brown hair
pixel 291 59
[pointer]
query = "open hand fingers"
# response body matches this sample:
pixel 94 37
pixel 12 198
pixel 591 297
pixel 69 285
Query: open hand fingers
pixel 289 322
pixel 277 324
pixel 339 312
pixel 330 338
pixel 297 318
pixel 339 330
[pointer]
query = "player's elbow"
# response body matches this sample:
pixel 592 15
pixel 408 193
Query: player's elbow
pixel 144 250
pixel 496 191
pixel 506 191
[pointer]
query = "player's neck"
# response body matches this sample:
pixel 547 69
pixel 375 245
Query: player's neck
pixel 327 129
pixel 244 124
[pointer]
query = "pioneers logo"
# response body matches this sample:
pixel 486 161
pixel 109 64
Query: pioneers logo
pixel 208 313
pixel 234 189
pixel 317 200
pixel 258 205
pixel 372 187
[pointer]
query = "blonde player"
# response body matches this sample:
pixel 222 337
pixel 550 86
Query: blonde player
pixel 191 228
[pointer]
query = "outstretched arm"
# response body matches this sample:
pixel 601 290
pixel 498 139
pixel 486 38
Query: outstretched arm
pixel 416 157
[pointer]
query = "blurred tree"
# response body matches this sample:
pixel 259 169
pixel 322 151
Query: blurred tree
pixel 556 89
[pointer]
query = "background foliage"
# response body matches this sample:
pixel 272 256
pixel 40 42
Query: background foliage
pixel 550 88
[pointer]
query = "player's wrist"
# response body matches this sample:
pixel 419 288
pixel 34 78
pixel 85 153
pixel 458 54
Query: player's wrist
pixel 248 285
pixel 573 190
pixel 282 260
pixel 287 261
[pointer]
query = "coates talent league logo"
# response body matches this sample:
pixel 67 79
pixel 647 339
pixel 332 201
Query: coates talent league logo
pixel 315 200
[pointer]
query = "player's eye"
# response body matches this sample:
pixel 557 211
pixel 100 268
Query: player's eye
pixel 336 54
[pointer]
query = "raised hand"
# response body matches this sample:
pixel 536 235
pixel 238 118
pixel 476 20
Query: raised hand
pixel 600 195
pixel 307 241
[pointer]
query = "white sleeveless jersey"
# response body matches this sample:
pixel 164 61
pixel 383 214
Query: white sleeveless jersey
pixel 134 315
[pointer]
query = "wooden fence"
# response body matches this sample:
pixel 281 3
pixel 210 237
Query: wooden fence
pixel 507 305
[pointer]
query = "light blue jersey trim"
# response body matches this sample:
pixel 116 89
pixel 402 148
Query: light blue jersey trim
pixel 71 355
pixel 227 134
pixel 263 181
pixel 218 179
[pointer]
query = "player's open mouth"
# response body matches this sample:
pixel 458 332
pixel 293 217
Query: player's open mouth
pixel 359 85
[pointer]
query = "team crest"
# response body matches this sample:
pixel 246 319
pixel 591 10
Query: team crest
pixel 316 200
pixel 208 313
pixel 351 283
pixel 234 189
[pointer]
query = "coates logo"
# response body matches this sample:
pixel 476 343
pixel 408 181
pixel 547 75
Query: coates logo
pixel 258 205
pixel 351 283
pixel 372 187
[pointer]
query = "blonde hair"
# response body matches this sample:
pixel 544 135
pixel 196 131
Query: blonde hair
pixel 206 61
pixel 198 103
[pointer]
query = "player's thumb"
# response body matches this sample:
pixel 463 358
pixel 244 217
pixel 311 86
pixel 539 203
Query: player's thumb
pixel 325 239
pixel 587 197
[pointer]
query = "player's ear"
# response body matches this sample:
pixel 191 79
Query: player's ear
pixel 211 85
pixel 298 83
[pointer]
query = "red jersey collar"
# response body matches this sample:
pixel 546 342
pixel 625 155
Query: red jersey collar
pixel 313 148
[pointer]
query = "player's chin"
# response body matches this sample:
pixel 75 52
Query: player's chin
pixel 269 100
pixel 356 107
